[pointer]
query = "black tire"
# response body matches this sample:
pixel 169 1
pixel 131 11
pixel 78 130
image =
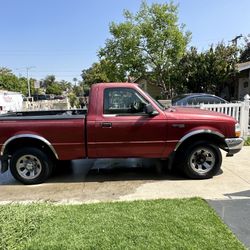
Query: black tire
pixel 30 165
pixel 202 160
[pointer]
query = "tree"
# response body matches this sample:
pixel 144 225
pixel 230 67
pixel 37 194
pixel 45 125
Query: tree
pixel 94 74
pixel 52 86
pixel 10 82
pixel 151 40
pixel 208 71
pixel 66 86
pixel 103 71
pixel 78 90
pixel 75 80
pixel 245 53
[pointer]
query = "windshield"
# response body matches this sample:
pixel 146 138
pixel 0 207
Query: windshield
pixel 161 106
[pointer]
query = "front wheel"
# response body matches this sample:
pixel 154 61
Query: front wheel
pixel 30 165
pixel 202 160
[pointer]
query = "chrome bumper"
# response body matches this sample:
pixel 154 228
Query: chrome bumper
pixel 234 145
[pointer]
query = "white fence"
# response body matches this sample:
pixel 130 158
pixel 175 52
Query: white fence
pixel 240 111
pixel 46 105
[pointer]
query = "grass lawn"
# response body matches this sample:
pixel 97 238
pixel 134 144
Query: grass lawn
pixel 247 142
pixel 159 224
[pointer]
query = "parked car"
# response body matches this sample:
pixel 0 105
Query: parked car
pixel 196 99
pixel 122 121
pixel 41 97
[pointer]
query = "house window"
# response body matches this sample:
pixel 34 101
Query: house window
pixel 245 84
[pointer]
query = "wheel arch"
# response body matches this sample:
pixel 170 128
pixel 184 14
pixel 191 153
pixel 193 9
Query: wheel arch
pixel 201 135
pixel 16 141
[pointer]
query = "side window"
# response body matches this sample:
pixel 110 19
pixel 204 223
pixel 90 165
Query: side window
pixel 210 99
pixel 192 101
pixel 123 101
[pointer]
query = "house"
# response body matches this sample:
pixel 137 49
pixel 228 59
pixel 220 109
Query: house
pixel 243 80
pixel 236 89
pixel 149 87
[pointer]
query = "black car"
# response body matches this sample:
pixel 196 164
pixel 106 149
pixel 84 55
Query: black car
pixel 196 99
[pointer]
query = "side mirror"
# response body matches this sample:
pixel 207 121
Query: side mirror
pixel 150 110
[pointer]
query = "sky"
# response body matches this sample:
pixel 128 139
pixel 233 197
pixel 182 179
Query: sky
pixel 62 37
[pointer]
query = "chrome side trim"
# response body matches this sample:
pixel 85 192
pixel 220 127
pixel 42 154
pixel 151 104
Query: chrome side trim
pixel 37 137
pixel 109 115
pixel 196 132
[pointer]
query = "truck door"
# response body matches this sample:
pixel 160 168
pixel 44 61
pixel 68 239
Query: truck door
pixel 123 129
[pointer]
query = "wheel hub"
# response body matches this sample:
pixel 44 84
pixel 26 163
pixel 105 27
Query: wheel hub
pixel 202 160
pixel 29 166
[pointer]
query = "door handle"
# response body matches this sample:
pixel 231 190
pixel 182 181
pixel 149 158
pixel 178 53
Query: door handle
pixel 106 125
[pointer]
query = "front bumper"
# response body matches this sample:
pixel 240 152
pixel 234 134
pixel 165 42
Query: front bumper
pixel 233 145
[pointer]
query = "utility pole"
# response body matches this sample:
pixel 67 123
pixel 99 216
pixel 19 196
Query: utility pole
pixel 235 40
pixel 28 80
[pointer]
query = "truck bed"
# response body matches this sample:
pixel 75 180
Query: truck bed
pixel 44 114
pixel 63 129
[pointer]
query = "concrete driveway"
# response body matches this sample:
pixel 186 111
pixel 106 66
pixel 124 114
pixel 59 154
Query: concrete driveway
pixel 76 184
pixel 228 192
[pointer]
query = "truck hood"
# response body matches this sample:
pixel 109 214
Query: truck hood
pixel 183 113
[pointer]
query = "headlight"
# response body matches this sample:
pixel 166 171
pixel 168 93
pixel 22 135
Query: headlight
pixel 237 130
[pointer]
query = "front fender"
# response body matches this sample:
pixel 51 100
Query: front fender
pixel 197 132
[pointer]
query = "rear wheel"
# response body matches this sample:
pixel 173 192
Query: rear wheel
pixel 202 160
pixel 30 165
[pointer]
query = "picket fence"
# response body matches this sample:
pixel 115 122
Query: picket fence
pixel 239 110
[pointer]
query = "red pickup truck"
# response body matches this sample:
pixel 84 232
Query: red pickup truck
pixel 121 121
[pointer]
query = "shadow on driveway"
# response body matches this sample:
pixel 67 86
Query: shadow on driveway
pixel 102 170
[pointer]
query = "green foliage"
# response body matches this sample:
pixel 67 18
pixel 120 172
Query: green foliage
pixel 65 85
pixel 73 100
pixel 150 40
pixel 78 90
pixel 208 71
pixel 10 82
pixel 54 89
pixel 102 71
pixel 247 142
pixel 245 53
pixel 159 224
pixel 52 86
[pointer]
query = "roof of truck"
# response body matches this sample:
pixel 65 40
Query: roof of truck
pixel 115 84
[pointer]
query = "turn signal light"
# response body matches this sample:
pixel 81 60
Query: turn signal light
pixel 237 130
